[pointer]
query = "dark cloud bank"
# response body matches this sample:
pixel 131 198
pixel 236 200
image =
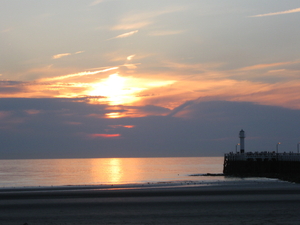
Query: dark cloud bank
pixel 64 128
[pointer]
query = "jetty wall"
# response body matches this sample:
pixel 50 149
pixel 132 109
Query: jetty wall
pixel 262 164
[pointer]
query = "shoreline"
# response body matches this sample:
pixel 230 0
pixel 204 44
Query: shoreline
pixel 228 180
pixel 246 186
pixel 225 180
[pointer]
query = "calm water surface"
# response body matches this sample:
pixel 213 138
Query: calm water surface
pixel 62 172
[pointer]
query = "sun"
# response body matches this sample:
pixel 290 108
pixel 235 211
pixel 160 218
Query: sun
pixel 119 90
pixel 115 89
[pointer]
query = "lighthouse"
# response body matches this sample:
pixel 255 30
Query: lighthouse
pixel 242 141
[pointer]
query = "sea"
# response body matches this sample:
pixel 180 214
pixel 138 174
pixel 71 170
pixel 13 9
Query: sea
pixel 28 173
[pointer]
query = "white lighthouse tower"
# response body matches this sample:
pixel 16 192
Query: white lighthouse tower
pixel 242 141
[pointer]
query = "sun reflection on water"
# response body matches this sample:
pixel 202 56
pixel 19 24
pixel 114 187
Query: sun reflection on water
pixel 116 171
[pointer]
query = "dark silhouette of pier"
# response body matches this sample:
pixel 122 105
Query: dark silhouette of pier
pixel 284 166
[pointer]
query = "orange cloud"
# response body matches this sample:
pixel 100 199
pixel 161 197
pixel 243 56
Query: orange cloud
pixel 129 126
pixel 32 111
pixel 166 90
pixel 125 126
pixel 114 115
pixel 104 135
pixel 263 66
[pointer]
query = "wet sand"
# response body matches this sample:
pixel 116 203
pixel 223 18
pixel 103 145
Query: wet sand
pixel 252 203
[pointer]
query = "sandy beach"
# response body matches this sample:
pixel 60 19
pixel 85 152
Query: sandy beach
pixel 249 203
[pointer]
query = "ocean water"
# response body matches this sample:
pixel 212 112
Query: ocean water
pixel 107 171
pixel 116 172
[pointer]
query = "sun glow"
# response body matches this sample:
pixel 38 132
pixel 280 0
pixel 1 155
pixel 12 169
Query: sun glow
pixel 115 89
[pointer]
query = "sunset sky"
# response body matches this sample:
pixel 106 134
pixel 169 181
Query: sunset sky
pixel 132 78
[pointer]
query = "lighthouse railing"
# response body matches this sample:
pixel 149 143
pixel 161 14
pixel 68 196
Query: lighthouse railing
pixel 263 156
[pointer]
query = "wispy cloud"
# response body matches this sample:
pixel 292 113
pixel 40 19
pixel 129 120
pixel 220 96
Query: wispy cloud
pixel 131 25
pixel 166 32
pixel 193 68
pixel 276 71
pixel 77 74
pixel 131 66
pixel 128 58
pixel 278 13
pixel 264 66
pixel 128 34
pixel 7 30
pixel 79 52
pixel 143 19
pixel 58 56
pixel 96 2
pixel 32 111
pixel 144 16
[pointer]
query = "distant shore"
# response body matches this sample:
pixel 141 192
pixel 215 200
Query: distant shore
pixel 249 202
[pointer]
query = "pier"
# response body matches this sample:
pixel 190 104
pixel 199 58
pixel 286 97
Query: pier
pixel 262 164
